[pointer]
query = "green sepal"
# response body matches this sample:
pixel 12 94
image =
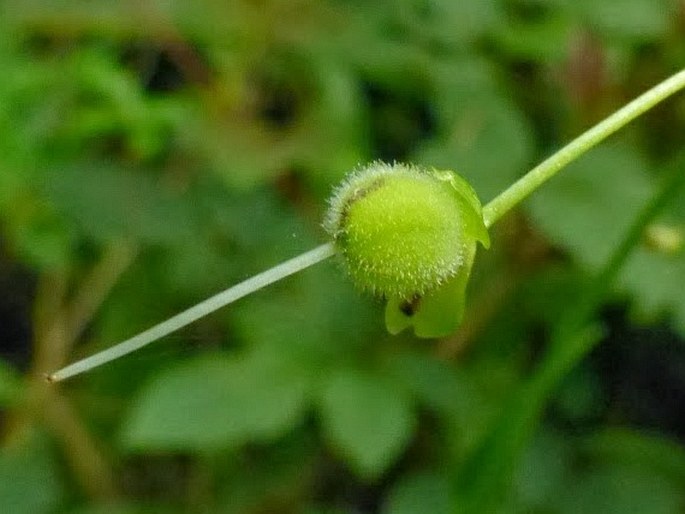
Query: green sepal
pixel 472 209
pixel 437 314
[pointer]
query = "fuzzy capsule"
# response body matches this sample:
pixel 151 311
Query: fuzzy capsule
pixel 405 231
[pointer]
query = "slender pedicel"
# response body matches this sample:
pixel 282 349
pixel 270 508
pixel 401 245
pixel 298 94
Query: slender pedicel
pixel 196 312
pixel 490 214
pixel 522 188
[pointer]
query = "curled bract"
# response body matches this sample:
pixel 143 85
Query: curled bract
pixel 409 234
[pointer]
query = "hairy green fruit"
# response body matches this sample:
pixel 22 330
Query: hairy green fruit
pixel 407 234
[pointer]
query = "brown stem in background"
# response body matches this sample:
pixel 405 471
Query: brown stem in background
pixel 92 469
pixel 117 257
pixel 58 323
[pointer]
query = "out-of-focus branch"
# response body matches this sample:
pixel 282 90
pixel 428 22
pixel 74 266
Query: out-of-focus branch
pixel 59 321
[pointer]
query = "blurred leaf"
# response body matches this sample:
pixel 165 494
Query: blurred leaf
pixel 111 203
pixel 638 449
pixel 545 293
pixel 122 508
pixel 306 117
pixel 544 39
pixel 366 419
pixel 455 398
pixel 573 337
pixel 11 386
pixel 324 510
pixel 420 494
pixel 451 25
pixel 632 19
pixel 345 321
pixel 655 279
pixel 258 478
pixel 478 123
pixel 588 207
pixel 433 382
pixel 218 401
pixel 622 489
pixel 484 478
pixel 230 236
pixel 581 396
pixel 328 141
pixel 44 241
pixel 543 472
pixel 29 482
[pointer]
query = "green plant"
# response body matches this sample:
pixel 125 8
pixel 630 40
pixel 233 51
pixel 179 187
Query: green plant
pixel 150 151
pixel 374 257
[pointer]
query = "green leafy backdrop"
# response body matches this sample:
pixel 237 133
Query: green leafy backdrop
pixel 153 153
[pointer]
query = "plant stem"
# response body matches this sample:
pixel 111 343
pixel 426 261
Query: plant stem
pixel 518 191
pixel 491 213
pixel 217 301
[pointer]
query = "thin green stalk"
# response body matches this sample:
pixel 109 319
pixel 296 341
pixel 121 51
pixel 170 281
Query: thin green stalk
pixel 491 213
pixel 196 312
pixel 520 189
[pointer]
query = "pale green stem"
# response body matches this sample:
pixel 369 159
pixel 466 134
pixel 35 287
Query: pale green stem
pixel 196 312
pixel 491 213
pixel 548 168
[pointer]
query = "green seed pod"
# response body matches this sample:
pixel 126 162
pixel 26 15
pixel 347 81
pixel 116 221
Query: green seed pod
pixel 409 235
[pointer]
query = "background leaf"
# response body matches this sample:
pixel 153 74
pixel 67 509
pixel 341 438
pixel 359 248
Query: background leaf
pixel 253 397
pixel 366 419
pixel 420 493
pixel 29 479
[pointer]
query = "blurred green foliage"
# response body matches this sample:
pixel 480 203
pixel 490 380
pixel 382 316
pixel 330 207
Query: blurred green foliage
pixel 152 153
